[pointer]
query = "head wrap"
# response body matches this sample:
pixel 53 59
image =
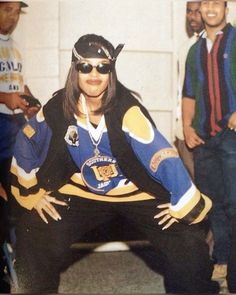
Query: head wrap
pixel 94 46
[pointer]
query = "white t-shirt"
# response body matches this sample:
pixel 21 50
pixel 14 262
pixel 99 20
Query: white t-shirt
pixel 11 69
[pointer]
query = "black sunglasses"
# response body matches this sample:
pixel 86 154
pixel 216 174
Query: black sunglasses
pixel 86 68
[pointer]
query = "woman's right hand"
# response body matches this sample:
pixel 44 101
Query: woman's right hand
pixel 165 216
pixel 44 205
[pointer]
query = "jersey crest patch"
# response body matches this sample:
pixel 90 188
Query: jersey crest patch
pixel 72 136
pixel 162 155
pixel 29 131
pixel 98 172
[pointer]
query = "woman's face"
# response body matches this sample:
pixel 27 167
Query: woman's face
pixel 93 76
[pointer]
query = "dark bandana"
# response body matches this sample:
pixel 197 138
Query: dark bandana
pixel 94 46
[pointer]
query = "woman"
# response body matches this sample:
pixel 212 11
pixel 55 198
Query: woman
pixel 93 153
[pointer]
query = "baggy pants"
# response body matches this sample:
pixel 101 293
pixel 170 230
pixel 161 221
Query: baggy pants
pixel 41 247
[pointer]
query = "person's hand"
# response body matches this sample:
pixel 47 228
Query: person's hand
pixel 33 105
pixel 165 216
pixel 232 122
pixel 14 101
pixel 3 193
pixel 31 111
pixel 44 205
pixel 191 138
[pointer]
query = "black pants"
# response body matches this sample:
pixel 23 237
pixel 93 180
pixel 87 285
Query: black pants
pixel 4 180
pixel 42 247
pixel 4 286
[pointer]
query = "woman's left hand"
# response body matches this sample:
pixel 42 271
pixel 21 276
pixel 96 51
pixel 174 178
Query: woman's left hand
pixel 44 205
pixel 166 216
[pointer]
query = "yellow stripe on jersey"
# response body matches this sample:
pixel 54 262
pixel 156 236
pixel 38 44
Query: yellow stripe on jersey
pixel 77 179
pixel 188 207
pixel 202 215
pixel 29 201
pixel 179 213
pixel 130 188
pixel 120 190
pixel 69 189
pixel 138 125
pixel 27 183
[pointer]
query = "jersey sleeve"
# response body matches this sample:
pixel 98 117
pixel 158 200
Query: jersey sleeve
pixel 162 162
pixel 30 151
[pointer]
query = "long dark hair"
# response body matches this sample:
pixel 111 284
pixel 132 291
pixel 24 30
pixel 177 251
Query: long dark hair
pixel 72 93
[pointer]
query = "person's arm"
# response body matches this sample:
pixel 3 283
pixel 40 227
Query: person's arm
pixel 188 112
pixel 13 100
pixel 162 162
pixel 31 143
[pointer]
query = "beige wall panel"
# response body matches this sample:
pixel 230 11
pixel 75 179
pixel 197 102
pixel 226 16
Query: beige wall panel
pixel 43 88
pixel 232 12
pixel 150 75
pixel 42 63
pixel 65 60
pixel 42 10
pixel 141 27
pixel 179 22
pixel 42 34
pixel 40 16
pixel 163 122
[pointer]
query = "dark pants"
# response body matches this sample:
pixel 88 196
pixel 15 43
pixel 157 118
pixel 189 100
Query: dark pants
pixel 4 285
pixel 4 225
pixel 41 248
pixel 9 126
pixel 215 173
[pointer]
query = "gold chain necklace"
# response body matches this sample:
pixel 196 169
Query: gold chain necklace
pixel 95 134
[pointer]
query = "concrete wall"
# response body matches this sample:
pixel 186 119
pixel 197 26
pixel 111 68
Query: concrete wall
pixel 152 31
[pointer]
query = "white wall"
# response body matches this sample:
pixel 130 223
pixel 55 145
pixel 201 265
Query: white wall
pixel 152 31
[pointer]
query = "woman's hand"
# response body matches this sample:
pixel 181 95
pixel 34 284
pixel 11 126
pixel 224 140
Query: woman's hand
pixel 166 216
pixel 44 205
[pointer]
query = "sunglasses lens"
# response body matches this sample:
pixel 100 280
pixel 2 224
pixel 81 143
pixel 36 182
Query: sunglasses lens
pixel 104 68
pixel 84 68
